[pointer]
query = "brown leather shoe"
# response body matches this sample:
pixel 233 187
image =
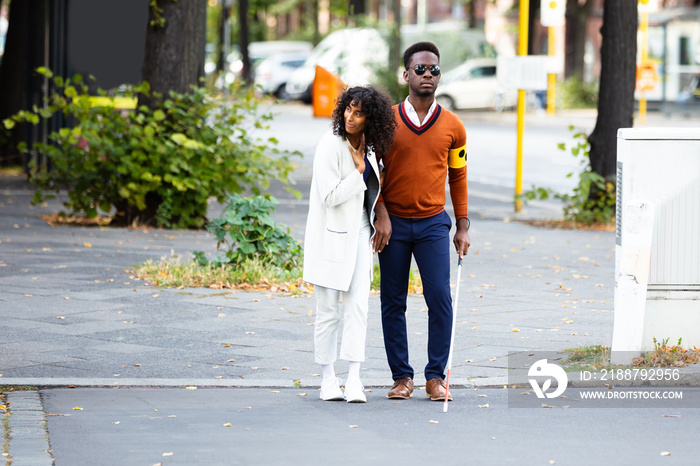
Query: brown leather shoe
pixel 402 389
pixel 435 389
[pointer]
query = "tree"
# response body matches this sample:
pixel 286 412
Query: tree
pixel 14 81
pixel 577 18
pixel 617 83
pixel 174 58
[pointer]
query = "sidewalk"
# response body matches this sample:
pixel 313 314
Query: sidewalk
pixel 73 315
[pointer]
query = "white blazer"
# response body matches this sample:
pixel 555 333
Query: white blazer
pixel 336 203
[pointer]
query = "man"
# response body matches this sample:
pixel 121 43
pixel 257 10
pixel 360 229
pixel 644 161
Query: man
pixel 430 145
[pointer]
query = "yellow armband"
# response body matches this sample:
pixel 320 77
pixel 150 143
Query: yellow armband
pixel 457 157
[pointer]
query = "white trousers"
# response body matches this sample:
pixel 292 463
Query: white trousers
pixel 354 315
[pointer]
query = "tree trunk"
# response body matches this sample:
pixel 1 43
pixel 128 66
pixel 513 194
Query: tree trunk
pixel 14 78
pixel 244 40
pixel 175 51
pixel 356 8
pixel 471 7
pixel 395 52
pixel 617 83
pixel 577 19
pixel 174 60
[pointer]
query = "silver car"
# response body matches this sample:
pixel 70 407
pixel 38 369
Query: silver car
pixel 272 73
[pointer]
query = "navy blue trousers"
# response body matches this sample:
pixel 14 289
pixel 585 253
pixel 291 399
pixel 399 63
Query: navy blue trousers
pixel 428 241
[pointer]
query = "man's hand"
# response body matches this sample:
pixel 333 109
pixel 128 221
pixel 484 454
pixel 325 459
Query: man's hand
pixel 461 239
pixel 382 227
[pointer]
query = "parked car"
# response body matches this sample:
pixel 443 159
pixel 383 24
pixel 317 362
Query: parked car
pixel 473 85
pixel 257 52
pixel 272 73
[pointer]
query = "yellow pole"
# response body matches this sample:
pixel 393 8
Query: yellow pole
pixel 552 78
pixel 643 28
pixel 522 51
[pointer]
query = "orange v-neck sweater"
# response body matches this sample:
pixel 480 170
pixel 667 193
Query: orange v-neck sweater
pixel 417 164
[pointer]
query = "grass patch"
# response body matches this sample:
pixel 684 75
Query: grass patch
pixel 665 355
pixel 415 284
pixel 12 171
pixel 571 225
pixel 252 274
pixel 62 219
pixel 587 358
pixel 596 358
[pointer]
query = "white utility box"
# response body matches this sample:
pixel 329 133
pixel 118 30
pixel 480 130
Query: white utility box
pixel 657 252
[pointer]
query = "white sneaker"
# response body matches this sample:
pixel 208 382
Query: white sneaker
pixel 330 390
pixel 355 392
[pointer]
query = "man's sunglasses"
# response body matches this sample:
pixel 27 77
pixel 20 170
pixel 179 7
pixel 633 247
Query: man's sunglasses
pixel 420 69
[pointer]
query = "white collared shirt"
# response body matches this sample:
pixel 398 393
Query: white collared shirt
pixel 413 115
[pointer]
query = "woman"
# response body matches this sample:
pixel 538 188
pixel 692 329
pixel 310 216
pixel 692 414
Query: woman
pixel 337 256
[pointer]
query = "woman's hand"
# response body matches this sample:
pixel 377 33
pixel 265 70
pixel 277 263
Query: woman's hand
pixel 359 156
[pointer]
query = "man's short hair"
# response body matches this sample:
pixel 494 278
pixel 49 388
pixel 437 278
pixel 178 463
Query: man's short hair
pixel 419 47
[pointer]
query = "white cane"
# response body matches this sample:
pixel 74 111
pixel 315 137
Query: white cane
pixel 452 336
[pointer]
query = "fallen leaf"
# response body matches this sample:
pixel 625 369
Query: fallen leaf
pixel 87 245
pixel 228 424
pixel 515 330
pixel 483 406
pixel 302 394
pixel 227 345
pixel 77 408
pixel 115 422
pixel 353 426
pixel 231 360
pixel 310 313
pixel 191 387
pixel 665 415
pixel 433 422
pixel 222 315
pixel 170 453
pixel 665 453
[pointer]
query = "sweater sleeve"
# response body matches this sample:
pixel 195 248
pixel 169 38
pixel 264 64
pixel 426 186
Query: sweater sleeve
pixel 459 192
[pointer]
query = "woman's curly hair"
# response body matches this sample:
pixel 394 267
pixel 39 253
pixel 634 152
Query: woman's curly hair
pixel 380 125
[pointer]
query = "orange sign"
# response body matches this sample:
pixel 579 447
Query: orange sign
pixel 647 76
pixel 325 89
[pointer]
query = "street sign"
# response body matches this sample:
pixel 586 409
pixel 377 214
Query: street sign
pixel 647 76
pixel 552 12
pixel 527 72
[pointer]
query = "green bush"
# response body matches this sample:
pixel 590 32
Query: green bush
pixel 574 93
pixel 153 166
pixel 247 232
